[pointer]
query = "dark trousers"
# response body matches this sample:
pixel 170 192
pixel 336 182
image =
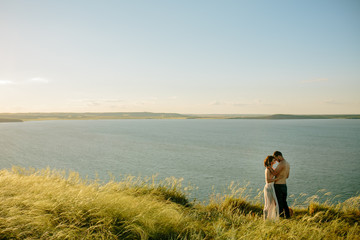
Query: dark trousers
pixel 281 195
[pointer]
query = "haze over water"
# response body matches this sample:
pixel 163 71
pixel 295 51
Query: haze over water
pixel 324 154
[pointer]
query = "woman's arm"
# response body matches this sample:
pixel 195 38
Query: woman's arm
pixel 278 169
pixel 269 180
pixel 269 177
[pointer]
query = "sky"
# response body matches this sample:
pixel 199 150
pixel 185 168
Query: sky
pixel 204 56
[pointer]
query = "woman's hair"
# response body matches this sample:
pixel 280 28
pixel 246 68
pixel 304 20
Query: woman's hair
pixel 268 160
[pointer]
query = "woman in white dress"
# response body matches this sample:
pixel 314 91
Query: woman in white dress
pixel 271 207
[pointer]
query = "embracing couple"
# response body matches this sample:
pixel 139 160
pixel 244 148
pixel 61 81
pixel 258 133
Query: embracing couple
pixel 275 190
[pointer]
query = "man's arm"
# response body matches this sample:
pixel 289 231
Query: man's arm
pixel 288 173
pixel 277 171
pixel 269 178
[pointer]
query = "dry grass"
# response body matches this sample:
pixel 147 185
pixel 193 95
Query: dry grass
pixel 47 204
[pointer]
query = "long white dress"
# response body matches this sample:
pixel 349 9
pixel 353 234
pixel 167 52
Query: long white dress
pixel 271 207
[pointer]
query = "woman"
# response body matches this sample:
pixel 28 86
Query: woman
pixel 271 207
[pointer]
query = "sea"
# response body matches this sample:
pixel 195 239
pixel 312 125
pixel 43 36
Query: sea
pixel 210 156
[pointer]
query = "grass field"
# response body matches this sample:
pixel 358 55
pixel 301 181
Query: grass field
pixel 48 204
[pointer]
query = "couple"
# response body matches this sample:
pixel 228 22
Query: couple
pixel 275 190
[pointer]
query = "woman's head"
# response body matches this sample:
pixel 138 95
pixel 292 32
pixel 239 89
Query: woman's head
pixel 269 160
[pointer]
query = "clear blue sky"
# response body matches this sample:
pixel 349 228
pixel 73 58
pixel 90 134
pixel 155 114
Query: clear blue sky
pixel 244 57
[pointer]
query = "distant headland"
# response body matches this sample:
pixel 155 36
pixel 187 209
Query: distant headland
pixel 20 117
pixel 7 120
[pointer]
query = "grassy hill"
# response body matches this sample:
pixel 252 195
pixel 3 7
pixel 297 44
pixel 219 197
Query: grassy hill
pixel 47 204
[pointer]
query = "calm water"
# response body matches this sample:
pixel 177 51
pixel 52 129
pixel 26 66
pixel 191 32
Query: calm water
pixel 324 154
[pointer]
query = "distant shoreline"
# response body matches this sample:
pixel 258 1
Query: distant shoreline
pixel 6 120
pixel 289 116
pixel 20 117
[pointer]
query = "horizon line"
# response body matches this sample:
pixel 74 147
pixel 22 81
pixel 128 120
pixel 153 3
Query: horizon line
pixel 183 113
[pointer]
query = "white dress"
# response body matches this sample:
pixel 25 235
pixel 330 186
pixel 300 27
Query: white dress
pixel 271 207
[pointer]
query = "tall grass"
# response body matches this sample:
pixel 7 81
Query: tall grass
pixel 48 204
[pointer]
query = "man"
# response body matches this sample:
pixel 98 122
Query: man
pixel 281 173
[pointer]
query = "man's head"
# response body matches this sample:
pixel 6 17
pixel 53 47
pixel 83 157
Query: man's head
pixel 278 156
